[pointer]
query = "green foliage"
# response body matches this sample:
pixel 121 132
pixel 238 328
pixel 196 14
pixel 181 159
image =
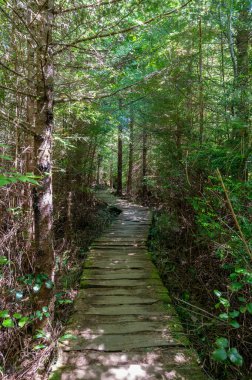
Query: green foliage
pixel 35 283
pixel 223 353
pixel 12 177
pixel 67 337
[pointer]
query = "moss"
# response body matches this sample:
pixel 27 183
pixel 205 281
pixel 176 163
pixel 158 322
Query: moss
pixel 56 375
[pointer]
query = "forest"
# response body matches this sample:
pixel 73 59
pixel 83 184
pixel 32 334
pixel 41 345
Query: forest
pixel 148 100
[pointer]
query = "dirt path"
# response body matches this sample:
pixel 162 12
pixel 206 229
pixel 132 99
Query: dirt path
pixel 124 325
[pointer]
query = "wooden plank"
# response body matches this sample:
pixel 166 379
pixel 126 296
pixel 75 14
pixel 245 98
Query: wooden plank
pixel 121 274
pixel 91 283
pixel 119 264
pixel 79 318
pixel 143 310
pixel 118 300
pixel 141 291
pixel 121 342
pixel 177 357
pixel 86 328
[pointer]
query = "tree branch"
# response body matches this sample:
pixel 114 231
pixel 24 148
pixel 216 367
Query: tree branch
pixel 14 90
pixel 26 127
pixel 12 71
pixel 121 31
pixel 80 7
pixel 107 95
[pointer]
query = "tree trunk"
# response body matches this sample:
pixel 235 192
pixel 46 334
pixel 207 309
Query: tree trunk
pixel 91 166
pixel 43 201
pixel 201 86
pixel 98 174
pixel 111 179
pixel 119 156
pixel 131 152
pixel 242 83
pixel 144 164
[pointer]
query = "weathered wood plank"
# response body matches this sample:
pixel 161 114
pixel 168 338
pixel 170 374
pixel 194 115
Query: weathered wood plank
pixel 128 283
pixel 133 327
pixel 114 274
pixel 121 342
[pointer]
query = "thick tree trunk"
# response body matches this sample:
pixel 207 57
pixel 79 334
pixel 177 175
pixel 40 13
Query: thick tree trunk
pixel 131 152
pixel 43 201
pixel 119 156
pixel 30 118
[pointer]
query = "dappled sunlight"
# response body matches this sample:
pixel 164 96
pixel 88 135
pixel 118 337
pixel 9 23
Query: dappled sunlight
pixel 129 366
pixel 180 358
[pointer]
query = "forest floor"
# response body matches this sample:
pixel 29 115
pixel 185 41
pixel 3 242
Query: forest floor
pixel 124 326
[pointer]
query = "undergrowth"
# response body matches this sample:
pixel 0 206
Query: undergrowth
pixel 204 263
pixel 25 350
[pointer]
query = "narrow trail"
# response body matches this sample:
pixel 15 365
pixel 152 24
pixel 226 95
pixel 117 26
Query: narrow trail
pixel 124 324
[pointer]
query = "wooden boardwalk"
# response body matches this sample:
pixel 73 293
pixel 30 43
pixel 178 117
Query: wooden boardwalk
pixel 124 325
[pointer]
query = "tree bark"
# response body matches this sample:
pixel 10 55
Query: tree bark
pixel 201 86
pixel 43 200
pixel 98 174
pixel 119 156
pixel 242 46
pixel 144 164
pixel 131 152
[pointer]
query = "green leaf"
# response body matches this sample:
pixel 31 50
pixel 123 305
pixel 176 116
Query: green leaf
pixel 3 260
pixel 249 308
pixel 39 347
pixel 23 321
pixel 222 342
pixel 65 302
pixel 7 158
pixel 242 299
pixel 236 286
pixel 49 284
pixel 224 302
pixel 234 313
pixel 243 309
pixel 233 276
pixel 4 314
pixel 235 357
pixel 8 323
pixel 67 337
pixel 39 315
pixel 40 334
pixel 234 324
pixel 217 293
pixel 4 181
pixel 36 288
pixel 223 316
pixel 220 355
pixel 241 270
pixel 17 315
